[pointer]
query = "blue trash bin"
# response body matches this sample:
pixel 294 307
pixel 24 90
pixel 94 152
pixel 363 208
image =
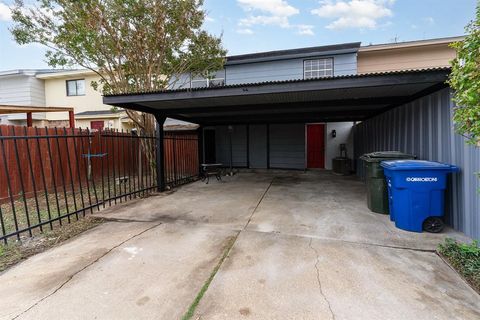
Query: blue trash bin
pixel 416 192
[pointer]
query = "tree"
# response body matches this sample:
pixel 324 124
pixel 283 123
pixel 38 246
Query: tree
pixel 465 80
pixel 132 45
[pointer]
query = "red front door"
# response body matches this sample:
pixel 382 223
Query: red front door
pixel 96 125
pixel 315 146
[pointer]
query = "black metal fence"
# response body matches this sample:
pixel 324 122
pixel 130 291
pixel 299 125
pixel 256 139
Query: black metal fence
pixel 51 176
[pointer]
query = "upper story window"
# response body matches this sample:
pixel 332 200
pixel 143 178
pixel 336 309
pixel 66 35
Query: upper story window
pixel 216 79
pixel 76 87
pixel 318 68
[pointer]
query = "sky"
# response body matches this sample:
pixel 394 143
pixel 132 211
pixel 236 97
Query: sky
pixel 248 26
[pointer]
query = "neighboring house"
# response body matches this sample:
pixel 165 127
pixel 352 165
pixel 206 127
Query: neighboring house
pixel 73 88
pixel 419 54
pixel 292 109
pixel 22 88
pixel 64 88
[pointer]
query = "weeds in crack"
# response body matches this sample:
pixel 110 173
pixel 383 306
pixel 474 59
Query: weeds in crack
pixel 191 310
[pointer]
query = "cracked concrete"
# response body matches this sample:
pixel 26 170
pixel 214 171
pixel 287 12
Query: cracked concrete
pixel 317 271
pixel 70 277
pixel 301 236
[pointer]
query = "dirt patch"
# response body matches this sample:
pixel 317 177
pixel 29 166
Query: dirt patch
pixel 15 252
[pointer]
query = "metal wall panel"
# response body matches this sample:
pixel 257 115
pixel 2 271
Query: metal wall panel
pixel 239 145
pixel 287 146
pixel 258 146
pixel 424 128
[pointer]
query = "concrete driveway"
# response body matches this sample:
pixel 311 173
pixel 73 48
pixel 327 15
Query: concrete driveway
pixel 304 247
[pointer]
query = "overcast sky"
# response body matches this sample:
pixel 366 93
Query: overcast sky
pixel 262 25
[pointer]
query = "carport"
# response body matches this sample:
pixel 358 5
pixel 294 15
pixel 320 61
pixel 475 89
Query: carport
pixel 324 100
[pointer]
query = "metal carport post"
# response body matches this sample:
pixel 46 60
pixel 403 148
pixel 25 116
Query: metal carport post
pixel 159 161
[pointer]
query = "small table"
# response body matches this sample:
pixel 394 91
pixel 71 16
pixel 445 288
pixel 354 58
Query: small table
pixel 211 169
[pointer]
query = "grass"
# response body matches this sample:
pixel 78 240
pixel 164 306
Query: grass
pixel 465 258
pixel 35 215
pixel 14 252
pixel 191 310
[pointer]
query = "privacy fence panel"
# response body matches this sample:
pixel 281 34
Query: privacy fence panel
pixel 49 176
pixel 424 127
pixel 181 157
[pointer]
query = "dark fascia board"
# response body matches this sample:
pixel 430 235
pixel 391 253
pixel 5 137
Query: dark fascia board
pixel 293 53
pixel 363 81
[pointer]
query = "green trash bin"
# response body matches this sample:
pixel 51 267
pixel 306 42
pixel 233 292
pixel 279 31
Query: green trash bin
pixel 377 192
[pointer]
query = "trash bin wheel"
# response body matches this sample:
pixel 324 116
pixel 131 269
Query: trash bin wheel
pixel 433 224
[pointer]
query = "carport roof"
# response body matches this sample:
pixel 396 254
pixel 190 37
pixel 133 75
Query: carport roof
pixel 338 98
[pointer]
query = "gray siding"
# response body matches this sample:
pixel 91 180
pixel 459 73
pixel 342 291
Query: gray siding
pixel 239 145
pixel 344 64
pixel 257 141
pixel 287 146
pixel 424 128
pixel 180 82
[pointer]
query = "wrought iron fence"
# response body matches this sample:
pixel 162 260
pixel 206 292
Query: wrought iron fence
pixel 51 176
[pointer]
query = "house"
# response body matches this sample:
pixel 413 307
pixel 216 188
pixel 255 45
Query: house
pixel 51 90
pixel 23 88
pixel 421 54
pixel 291 109
pixel 73 88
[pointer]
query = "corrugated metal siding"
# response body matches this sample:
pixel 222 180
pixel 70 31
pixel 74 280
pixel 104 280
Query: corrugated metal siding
pixel 292 69
pixel 287 146
pixel 424 128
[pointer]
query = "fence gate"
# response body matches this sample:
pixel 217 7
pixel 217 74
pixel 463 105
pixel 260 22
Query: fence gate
pixel 51 176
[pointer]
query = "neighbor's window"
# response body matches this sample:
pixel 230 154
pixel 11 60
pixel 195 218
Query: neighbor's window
pixel 216 79
pixel 76 87
pixel 318 68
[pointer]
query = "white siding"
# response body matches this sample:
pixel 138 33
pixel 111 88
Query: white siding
pixel 344 132
pixel 22 90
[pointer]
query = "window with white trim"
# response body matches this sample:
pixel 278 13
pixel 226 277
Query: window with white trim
pixel 317 68
pixel 215 79
pixel 76 87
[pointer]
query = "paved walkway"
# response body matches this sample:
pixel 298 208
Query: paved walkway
pixel 306 247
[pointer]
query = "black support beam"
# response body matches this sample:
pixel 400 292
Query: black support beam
pixel 160 154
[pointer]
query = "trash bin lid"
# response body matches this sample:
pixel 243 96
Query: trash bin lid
pixel 386 155
pixel 417 165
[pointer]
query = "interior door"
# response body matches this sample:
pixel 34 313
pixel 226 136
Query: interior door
pixel 316 146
